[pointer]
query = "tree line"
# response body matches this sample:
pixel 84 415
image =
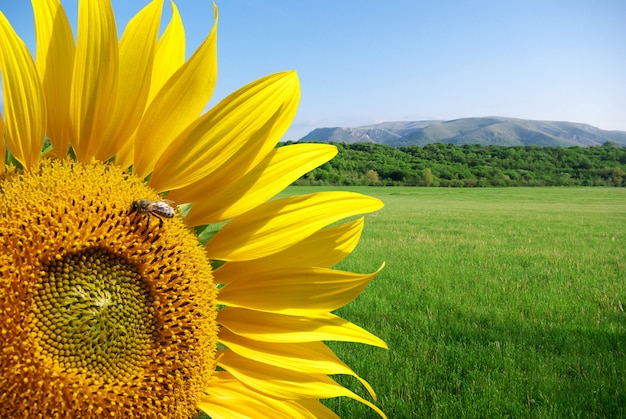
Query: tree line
pixel 471 165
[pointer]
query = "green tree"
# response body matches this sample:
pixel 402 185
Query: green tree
pixel 427 177
pixel 372 178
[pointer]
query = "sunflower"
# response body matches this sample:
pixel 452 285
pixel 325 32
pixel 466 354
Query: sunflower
pixel 147 269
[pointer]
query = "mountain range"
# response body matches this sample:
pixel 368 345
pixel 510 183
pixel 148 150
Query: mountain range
pixel 486 131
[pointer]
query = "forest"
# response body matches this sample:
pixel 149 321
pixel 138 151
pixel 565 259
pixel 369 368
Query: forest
pixel 471 165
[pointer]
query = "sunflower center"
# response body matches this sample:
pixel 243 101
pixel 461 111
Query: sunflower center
pixel 103 313
pixel 95 313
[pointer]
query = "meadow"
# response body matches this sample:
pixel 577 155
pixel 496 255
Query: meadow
pixel 495 302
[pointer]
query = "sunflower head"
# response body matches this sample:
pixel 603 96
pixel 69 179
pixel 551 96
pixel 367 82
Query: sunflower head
pixel 119 196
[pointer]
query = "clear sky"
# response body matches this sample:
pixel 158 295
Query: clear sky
pixel 364 61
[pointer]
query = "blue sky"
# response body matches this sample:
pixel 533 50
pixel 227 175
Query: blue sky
pixel 362 62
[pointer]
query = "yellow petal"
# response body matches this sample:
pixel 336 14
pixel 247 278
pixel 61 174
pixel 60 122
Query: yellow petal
pixel 295 291
pixel 277 225
pixel 94 81
pixel 24 105
pixel 170 53
pixel 271 327
pixel 233 136
pixel 3 150
pixel 225 403
pixel 323 249
pixel 169 57
pixel 55 62
pixel 236 195
pixel 177 104
pixel 310 358
pixel 317 409
pixel 136 55
pixel 284 383
pixel 228 398
pixel 275 167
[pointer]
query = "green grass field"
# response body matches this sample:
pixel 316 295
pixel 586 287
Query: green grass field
pixel 499 302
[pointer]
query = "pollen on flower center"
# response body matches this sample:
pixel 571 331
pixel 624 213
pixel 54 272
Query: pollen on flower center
pixel 94 313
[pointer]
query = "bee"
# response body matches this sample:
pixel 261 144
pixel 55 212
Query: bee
pixel 160 209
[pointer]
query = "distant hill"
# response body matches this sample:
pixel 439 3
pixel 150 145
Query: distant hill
pixel 486 131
